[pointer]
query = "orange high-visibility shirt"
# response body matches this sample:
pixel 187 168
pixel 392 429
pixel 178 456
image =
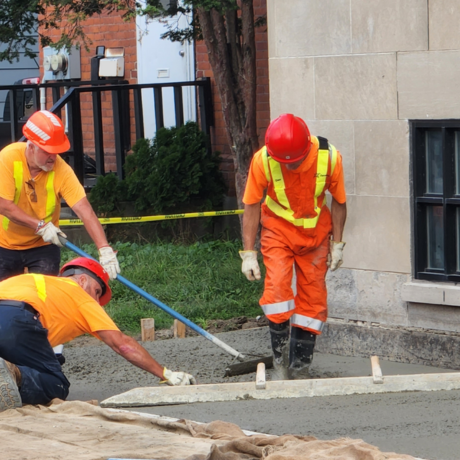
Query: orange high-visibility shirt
pixel 49 192
pixel 300 187
pixel 65 308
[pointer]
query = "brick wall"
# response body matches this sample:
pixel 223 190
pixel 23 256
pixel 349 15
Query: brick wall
pixel 110 31
pixel 218 133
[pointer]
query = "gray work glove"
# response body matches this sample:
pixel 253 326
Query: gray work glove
pixel 50 233
pixel 177 378
pixel 335 256
pixel 250 266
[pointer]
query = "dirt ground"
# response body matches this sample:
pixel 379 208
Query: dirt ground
pixel 422 424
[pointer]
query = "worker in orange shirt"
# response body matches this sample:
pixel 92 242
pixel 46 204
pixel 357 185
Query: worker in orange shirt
pixel 34 179
pixel 37 312
pixel 298 230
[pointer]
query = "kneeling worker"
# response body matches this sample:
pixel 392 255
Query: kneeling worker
pixel 38 312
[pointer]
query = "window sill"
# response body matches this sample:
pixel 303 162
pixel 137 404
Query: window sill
pixel 431 293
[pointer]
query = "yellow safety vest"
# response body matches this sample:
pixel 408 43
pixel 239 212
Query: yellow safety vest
pixel 40 284
pixel 326 153
pixel 18 172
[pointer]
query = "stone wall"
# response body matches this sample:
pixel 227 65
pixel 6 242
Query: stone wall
pixel 357 71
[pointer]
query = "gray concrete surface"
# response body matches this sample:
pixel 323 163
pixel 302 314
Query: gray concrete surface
pixel 422 424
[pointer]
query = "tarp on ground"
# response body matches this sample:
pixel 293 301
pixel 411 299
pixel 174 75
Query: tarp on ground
pixel 81 431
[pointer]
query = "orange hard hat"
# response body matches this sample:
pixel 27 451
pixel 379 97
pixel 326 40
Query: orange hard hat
pixel 85 266
pixel 46 130
pixel 287 139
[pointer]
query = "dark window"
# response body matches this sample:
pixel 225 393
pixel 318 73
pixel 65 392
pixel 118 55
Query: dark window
pixel 436 199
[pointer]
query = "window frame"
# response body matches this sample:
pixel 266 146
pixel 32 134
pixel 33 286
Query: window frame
pixel 450 201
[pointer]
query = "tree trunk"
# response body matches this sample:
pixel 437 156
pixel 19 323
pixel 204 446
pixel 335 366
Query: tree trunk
pixel 232 55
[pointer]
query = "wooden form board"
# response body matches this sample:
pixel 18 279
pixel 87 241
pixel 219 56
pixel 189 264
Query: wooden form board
pixel 160 396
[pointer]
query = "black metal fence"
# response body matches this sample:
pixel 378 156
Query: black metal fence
pixel 121 97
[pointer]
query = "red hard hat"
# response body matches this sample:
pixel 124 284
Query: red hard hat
pixel 45 130
pixel 85 266
pixel 287 139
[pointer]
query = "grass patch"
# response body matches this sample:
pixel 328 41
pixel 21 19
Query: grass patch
pixel 202 281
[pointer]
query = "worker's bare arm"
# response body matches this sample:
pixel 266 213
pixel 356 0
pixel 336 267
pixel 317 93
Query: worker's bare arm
pixel 132 351
pixel 17 215
pixel 339 216
pixel 251 220
pixel 94 228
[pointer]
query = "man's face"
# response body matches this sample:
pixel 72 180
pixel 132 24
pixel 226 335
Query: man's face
pixel 292 166
pixel 42 159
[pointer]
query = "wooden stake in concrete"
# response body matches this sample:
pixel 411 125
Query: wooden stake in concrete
pixel 260 377
pixel 148 329
pixel 376 371
pixel 179 329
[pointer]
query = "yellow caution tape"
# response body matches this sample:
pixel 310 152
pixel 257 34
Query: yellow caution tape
pixel 130 220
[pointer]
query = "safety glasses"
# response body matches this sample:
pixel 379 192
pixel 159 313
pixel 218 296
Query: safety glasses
pixel 33 195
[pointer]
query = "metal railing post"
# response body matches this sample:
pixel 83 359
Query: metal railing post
pixel 56 93
pixel 13 115
pixel 158 101
pixel 117 104
pixel 98 133
pixel 178 105
pixel 138 113
pixel 76 134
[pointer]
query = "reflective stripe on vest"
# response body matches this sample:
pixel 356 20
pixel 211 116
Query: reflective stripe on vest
pixel 18 178
pixel 50 195
pixel 281 207
pixel 278 307
pixel 305 321
pixel 41 286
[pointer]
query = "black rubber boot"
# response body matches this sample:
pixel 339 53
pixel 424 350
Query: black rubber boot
pixel 279 334
pixel 301 349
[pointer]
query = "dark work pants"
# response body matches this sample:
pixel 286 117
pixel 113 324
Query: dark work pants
pixel 44 260
pixel 24 342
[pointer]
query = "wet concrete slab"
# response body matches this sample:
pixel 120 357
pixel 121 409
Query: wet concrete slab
pixel 422 424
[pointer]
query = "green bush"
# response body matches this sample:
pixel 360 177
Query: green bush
pixel 107 194
pixel 172 173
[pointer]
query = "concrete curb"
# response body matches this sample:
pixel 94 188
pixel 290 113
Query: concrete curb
pixel 159 396
pixel 397 344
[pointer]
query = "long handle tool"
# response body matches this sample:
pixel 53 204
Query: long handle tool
pixel 161 305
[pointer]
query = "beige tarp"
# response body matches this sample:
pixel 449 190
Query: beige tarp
pixel 81 431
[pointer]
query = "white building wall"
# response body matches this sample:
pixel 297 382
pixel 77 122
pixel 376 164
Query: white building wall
pixel 356 71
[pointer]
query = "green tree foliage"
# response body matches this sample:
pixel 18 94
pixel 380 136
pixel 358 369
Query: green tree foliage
pixel 173 172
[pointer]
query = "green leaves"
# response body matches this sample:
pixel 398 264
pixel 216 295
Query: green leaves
pixel 173 173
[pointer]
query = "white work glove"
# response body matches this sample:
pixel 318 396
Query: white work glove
pixel 250 266
pixel 108 260
pixel 177 378
pixel 50 233
pixel 335 256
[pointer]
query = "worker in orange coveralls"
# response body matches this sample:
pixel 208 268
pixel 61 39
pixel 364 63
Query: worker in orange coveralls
pixel 298 230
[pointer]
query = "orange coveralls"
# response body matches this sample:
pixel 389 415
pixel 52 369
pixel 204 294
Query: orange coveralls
pixel 300 237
